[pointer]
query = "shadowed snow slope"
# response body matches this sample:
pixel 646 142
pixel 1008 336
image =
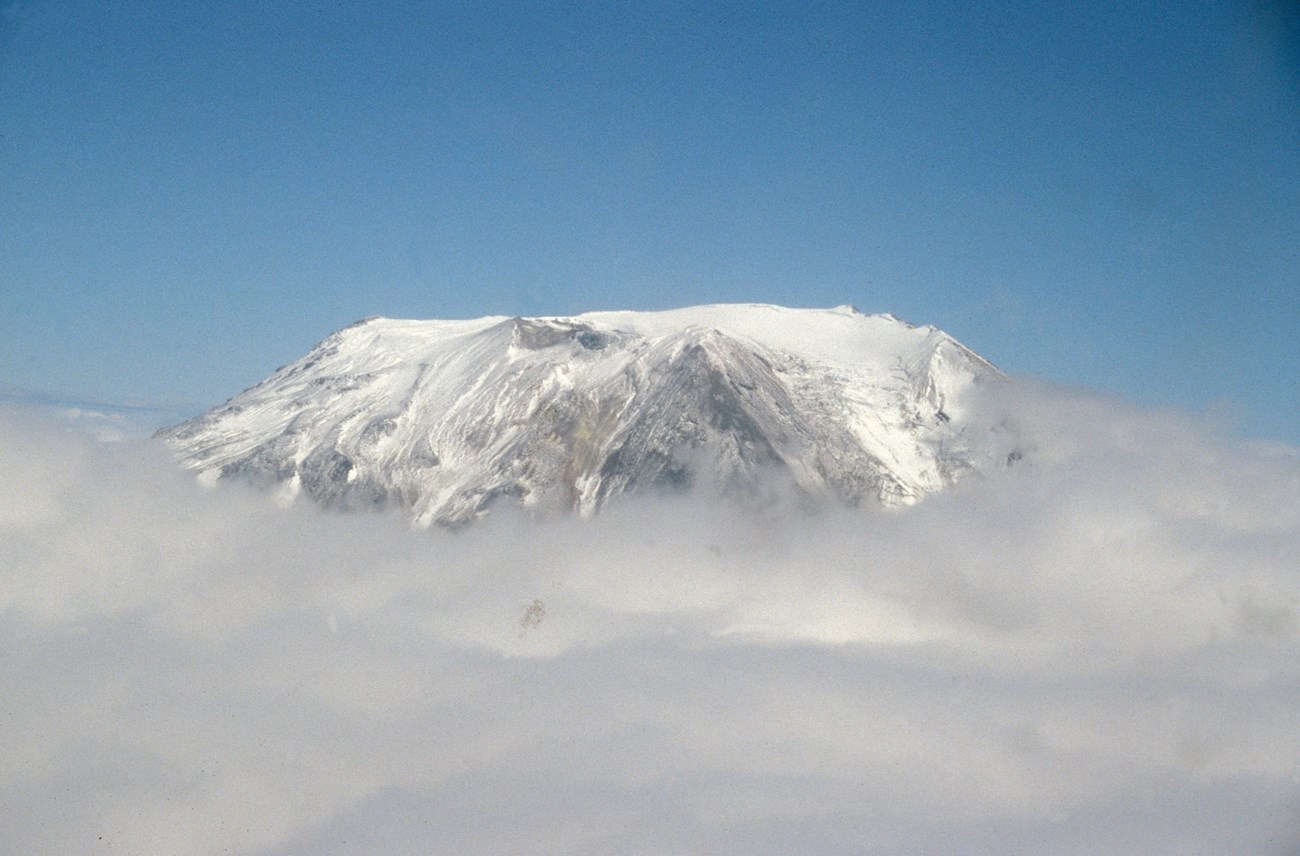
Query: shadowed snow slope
pixel 445 418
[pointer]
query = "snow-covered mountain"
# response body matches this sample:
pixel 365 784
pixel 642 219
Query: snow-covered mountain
pixel 445 418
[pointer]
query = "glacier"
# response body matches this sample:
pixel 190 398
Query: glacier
pixel 446 419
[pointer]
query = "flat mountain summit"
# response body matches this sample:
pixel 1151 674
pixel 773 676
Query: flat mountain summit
pixel 444 419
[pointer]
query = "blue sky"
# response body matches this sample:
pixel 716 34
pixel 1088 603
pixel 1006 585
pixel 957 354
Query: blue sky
pixel 1101 194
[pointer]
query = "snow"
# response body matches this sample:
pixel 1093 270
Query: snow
pixel 444 417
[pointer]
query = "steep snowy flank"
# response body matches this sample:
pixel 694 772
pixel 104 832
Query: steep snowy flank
pixel 445 418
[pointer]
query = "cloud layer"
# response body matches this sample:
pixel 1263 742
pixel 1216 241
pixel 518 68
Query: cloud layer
pixel 1097 651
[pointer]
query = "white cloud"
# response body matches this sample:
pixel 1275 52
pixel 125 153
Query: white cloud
pixel 1097 651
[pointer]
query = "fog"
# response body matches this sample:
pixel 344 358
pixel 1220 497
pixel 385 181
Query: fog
pixel 1094 651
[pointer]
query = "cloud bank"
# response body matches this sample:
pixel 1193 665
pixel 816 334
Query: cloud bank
pixel 1095 652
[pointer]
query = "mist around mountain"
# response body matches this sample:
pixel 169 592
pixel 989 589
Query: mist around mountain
pixel 1095 650
pixel 110 421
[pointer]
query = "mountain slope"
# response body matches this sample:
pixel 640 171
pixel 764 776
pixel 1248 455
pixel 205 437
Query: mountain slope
pixel 445 418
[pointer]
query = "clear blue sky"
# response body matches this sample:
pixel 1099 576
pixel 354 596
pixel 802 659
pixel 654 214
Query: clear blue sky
pixel 1103 194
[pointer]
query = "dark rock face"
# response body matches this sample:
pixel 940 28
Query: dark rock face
pixel 266 465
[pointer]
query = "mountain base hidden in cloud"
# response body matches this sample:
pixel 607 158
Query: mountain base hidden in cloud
pixel 1094 652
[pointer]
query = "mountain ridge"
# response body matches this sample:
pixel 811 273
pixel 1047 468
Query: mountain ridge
pixel 444 419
